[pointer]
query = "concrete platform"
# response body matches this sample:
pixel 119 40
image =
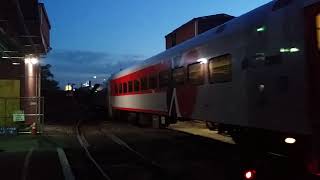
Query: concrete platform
pixel 199 128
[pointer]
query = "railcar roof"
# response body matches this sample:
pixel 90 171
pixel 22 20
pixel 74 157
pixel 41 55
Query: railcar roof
pixel 231 26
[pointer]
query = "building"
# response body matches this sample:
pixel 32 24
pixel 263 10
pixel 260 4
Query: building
pixel 24 39
pixel 195 27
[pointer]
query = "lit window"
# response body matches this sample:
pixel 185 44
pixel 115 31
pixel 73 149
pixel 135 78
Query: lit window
pixel 196 74
pixel 220 69
pixel 318 29
pixel 178 76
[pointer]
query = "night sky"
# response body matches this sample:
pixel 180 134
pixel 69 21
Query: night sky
pixel 99 37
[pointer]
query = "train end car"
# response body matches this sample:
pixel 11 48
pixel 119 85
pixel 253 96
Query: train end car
pixel 255 77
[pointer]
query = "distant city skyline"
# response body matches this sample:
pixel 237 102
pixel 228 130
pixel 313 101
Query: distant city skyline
pixel 97 39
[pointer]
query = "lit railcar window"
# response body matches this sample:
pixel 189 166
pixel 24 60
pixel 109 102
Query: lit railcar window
pixel 144 83
pixel 318 30
pixel 153 82
pixel 130 88
pixel 125 88
pixel 220 69
pixel 120 88
pixel 196 74
pixel 178 76
pixel 136 85
pixel 164 78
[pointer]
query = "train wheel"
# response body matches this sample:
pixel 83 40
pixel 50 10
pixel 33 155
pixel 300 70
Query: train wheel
pixel 144 120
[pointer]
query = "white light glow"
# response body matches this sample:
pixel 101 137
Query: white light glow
pixel 289 50
pixel 248 175
pixel 294 50
pixel 31 60
pixel 94 77
pixel 203 60
pixel 261 29
pixel 15 63
pixel 68 88
pixel 290 140
pixel 284 50
pixel 27 60
pixel 34 61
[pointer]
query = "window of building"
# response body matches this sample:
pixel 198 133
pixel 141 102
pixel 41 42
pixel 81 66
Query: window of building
pixel 164 78
pixel 174 39
pixel 144 83
pixel 130 88
pixel 136 85
pixel 318 29
pixel 153 82
pixel 120 88
pixel 125 88
pixel 178 76
pixel 220 69
pixel 196 73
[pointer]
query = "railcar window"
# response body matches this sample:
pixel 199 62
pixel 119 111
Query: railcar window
pixel 318 29
pixel 144 83
pixel 125 88
pixel 196 74
pixel 164 78
pixel 178 76
pixel 136 85
pixel 153 82
pixel 220 69
pixel 120 88
pixel 130 86
pixel 115 89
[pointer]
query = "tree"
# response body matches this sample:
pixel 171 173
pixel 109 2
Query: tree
pixel 47 81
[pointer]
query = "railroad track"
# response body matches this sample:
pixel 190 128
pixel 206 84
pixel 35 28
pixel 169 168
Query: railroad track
pixel 84 144
pixel 135 159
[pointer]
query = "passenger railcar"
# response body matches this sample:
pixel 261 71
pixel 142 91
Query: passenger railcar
pixel 257 75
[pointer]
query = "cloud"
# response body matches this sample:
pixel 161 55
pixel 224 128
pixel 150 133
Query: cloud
pixel 80 66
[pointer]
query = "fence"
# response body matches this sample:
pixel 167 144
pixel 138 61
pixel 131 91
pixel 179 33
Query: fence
pixel 17 115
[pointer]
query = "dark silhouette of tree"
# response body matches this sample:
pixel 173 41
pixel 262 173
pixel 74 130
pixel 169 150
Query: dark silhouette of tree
pixel 47 81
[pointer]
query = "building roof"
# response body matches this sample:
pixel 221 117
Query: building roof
pixel 211 17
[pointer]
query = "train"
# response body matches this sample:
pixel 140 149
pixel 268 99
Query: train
pixel 256 76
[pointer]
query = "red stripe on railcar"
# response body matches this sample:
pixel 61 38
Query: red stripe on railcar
pixel 141 110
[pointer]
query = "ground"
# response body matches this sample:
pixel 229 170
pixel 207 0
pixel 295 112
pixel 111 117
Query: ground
pixel 90 149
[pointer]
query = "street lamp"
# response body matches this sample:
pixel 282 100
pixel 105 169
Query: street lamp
pixel 31 60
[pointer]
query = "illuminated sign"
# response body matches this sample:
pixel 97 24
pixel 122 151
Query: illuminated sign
pixel 18 116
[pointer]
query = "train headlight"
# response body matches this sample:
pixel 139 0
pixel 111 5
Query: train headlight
pixel 290 140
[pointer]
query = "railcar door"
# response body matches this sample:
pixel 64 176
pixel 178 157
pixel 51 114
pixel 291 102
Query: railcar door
pixel 312 35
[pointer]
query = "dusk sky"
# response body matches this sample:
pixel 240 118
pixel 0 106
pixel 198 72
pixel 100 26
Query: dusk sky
pixel 97 38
